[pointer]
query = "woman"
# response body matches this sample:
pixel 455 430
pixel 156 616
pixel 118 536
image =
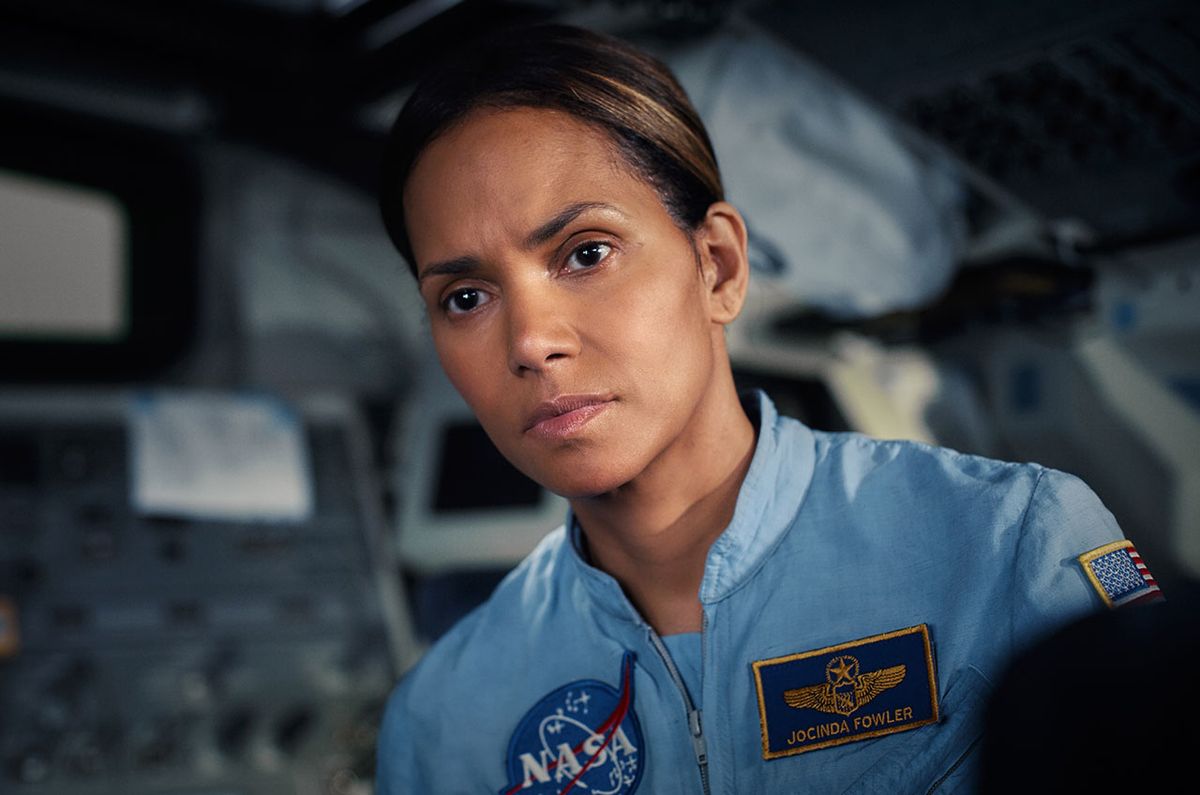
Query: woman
pixel 736 603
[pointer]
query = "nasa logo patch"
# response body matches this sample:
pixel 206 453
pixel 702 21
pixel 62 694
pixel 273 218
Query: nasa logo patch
pixel 584 734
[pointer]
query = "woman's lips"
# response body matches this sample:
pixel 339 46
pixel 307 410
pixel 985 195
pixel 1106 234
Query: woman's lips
pixel 564 416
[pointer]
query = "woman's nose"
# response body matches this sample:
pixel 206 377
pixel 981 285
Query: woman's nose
pixel 541 331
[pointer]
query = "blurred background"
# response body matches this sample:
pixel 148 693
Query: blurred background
pixel 236 498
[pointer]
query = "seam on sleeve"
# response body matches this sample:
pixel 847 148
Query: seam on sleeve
pixel 1018 555
pixel 982 675
pixel 1037 484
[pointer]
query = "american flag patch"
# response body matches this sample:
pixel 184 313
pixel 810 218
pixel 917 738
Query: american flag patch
pixel 1118 574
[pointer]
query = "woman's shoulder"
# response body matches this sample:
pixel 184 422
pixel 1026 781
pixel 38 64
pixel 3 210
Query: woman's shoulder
pixel 1054 511
pixel 901 458
pixel 904 476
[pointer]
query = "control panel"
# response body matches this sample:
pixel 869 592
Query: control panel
pixel 151 654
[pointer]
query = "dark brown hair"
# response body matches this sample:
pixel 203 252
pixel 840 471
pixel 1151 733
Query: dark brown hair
pixel 595 78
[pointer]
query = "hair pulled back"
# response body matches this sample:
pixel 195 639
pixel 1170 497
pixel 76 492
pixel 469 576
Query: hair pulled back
pixel 595 78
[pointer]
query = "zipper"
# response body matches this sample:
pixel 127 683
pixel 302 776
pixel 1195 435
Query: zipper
pixel 695 724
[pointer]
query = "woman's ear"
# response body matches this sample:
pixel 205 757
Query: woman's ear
pixel 724 263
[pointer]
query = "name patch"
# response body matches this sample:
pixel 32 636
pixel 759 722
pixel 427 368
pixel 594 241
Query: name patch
pixel 582 735
pixel 844 693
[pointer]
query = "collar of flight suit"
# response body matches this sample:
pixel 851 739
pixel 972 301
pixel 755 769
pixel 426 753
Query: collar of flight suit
pixel 768 501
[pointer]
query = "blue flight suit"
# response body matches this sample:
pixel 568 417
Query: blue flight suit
pixel 557 684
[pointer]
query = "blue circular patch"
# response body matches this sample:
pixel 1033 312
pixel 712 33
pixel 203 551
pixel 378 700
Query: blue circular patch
pixel 582 737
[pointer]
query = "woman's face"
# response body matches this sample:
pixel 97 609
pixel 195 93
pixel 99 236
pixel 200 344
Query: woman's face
pixel 566 306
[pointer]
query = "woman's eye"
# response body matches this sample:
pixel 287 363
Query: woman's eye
pixel 588 255
pixel 464 300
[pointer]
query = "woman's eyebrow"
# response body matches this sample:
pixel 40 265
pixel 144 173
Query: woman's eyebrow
pixel 466 264
pixel 555 225
pixel 451 267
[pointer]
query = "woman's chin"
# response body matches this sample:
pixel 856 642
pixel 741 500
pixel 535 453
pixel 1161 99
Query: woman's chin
pixel 580 485
pixel 583 471
pixel 577 490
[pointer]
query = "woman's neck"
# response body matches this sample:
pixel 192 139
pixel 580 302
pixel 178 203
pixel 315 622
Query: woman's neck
pixel 653 534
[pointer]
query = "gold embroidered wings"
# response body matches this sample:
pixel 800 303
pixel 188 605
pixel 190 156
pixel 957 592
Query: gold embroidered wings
pixel 825 699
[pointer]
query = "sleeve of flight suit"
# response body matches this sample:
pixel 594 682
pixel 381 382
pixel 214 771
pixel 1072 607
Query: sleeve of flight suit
pixel 1064 520
pixel 395 768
